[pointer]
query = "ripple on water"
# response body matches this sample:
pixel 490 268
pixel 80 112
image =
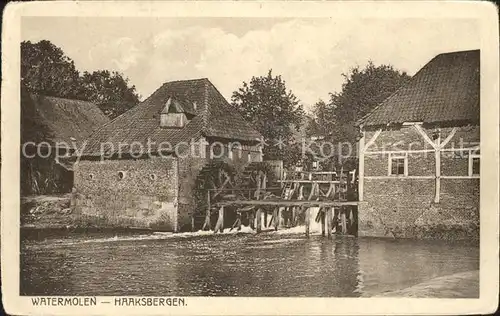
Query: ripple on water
pixel 268 264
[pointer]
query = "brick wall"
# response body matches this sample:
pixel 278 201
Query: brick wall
pixel 146 196
pixel 404 206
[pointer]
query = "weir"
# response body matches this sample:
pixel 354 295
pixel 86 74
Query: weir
pixel 319 200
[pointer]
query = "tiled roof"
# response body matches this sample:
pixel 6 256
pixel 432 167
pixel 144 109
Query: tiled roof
pixel 446 89
pixel 67 120
pixel 214 117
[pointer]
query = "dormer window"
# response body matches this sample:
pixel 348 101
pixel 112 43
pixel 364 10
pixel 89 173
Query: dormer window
pixel 173 114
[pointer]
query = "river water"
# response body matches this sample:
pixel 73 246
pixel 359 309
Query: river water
pixel 283 263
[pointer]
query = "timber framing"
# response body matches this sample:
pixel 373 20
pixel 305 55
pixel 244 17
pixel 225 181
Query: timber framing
pixel 437 147
pixel 362 149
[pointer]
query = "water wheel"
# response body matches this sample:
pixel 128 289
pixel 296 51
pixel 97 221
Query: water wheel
pixel 215 183
pixel 255 180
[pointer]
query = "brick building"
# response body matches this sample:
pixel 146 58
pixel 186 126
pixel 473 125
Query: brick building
pixel 419 155
pixel 140 169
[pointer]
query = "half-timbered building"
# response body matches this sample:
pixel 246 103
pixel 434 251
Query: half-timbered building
pixel 419 157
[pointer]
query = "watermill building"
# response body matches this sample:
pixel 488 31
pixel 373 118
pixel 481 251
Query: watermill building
pixel 140 169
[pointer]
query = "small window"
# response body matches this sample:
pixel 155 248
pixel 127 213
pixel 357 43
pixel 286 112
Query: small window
pixel 474 165
pixel 217 150
pixel 234 151
pixel 397 165
pixel 315 164
pixel 121 175
pixel 91 176
pixel 152 176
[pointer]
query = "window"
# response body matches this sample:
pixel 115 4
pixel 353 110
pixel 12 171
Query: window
pixel 234 151
pixel 152 176
pixel 474 163
pixel 91 176
pixel 398 165
pixel 217 150
pixel 315 164
pixel 121 175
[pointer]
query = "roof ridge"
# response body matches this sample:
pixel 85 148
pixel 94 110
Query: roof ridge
pixel 59 98
pixel 186 80
pixel 459 52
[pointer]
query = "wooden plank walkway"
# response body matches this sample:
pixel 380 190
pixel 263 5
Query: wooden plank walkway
pixel 284 203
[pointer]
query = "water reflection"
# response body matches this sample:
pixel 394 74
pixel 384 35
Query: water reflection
pixel 237 265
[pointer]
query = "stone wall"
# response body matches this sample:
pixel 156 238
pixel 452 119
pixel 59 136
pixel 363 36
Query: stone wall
pixel 404 207
pixel 152 193
pixel 138 193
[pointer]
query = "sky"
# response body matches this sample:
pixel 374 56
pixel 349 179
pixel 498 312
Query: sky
pixel 310 54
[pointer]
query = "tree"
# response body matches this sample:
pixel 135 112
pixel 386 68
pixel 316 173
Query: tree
pixel 109 90
pixel 46 70
pixel 274 111
pixel 322 117
pixel 362 90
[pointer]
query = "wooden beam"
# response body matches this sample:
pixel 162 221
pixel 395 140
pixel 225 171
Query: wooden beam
pixel 361 166
pixel 220 221
pixel 207 223
pixel 343 221
pixel 271 221
pixel 329 222
pixel 308 181
pixel 322 222
pixel 287 203
pixel 307 220
pixel 437 159
pixel 280 216
pixel 276 218
pixel 313 189
pixel 419 129
pixel 301 191
pixel 331 190
pixel 221 189
pixel 237 222
pixel 257 191
pixel 373 139
pixel 259 220
pixel 448 138
pixel 251 219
